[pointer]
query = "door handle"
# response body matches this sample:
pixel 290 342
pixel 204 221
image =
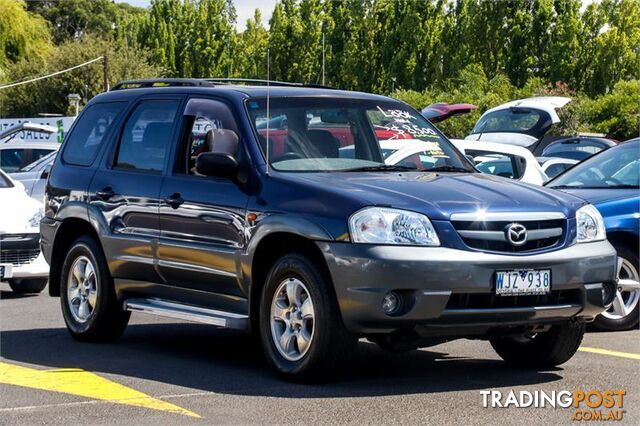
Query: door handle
pixel 105 193
pixel 174 200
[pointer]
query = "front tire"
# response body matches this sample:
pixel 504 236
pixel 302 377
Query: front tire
pixel 548 349
pixel 301 329
pixel 625 311
pixel 28 285
pixel 87 296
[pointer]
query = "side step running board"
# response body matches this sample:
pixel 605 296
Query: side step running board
pixel 181 311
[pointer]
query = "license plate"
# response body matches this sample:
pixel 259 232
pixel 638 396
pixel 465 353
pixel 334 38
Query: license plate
pixel 6 271
pixel 523 282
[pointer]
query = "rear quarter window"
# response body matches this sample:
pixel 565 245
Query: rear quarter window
pixel 88 134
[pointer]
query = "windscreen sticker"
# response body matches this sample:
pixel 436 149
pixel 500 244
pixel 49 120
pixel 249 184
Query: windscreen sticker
pixel 396 114
pixel 401 125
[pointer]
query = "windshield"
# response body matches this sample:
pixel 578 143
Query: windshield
pixel 327 134
pixel 519 120
pixel 617 167
pixel 574 149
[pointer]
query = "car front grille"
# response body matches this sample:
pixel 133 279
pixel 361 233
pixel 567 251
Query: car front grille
pixel 491 301
pixel 18 257
pixel 492 235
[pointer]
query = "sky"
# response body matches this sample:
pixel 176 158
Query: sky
pixel 244 9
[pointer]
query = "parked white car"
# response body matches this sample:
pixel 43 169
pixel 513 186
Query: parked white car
pixel 34 176
pixel 510 161
pixel 22 264
pixel 523 122
pixel 553 166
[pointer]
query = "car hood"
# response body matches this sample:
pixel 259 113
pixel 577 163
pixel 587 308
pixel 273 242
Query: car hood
pixel 25 176
pixel 438 195
pixel 14 219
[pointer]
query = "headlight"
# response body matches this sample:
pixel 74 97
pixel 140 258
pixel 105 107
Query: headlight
pixel 590 224
pixel 378 225
pixel 34 222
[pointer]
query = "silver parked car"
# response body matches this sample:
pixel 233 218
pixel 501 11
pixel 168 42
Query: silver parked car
pixel 34 176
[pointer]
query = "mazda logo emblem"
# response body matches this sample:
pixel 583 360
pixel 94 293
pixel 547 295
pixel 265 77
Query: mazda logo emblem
pixel 516 234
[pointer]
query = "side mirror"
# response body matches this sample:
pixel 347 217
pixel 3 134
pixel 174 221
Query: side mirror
pixel 217 164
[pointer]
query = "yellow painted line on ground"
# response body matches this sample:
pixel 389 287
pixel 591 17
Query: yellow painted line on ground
pixel 83 383
pixel 608 352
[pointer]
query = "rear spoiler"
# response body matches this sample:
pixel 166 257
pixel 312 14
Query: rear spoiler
pixel 441 111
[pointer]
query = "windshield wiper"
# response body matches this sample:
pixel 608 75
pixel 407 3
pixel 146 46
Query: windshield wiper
pixel 446 168
pixel 623 186
pixel 382 168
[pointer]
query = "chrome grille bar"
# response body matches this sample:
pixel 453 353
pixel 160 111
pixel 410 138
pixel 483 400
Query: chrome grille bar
pixel 532 235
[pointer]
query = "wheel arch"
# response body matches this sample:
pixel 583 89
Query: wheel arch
pixel 266 252
pixel 623 238
pixel 69 230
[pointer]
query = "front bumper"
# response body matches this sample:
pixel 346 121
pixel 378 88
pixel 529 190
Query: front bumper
pixel 36 269
pixel 448 288
pixel 21 256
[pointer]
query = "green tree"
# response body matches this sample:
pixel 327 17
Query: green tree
pixel 50 95
pixel 73 18
pixel 295 40
pixel 616 54
pixel 22 34
pixel 350 45
pixel 190 38
pixel 252 49
pixel 564 47
pixel 617 113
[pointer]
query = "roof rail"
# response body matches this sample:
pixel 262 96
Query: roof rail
pixel 161 82
pixel 264 82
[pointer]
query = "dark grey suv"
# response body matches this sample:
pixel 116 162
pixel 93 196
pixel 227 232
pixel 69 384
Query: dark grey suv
pixel 272 209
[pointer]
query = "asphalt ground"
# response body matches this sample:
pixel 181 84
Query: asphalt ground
pixel 163 372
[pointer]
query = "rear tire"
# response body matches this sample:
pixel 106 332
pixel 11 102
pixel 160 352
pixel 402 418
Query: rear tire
pixel 28 285
pixel 614 319
pixel 87 296
pixel 548 349
pixel 301 328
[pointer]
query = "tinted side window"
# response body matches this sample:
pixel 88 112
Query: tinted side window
pixel 146 136
pixel 504 165
pixel 11 159
pixel 555 169
pixel 577 149
pixel 37 154
pixel 210 128
pixel 81 147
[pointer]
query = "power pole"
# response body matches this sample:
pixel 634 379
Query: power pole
pixel 105 73
pixel 323 57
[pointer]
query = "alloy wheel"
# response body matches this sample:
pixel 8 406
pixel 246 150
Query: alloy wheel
pixel 292 319
pixel 82 289
pixel 627 293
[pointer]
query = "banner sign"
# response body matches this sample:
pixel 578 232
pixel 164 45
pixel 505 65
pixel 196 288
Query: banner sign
pixel 63 124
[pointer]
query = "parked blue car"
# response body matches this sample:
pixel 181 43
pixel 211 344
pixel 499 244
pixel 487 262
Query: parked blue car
pixel 610 180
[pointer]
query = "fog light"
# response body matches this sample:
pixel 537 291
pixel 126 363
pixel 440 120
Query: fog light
pixel 391 303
